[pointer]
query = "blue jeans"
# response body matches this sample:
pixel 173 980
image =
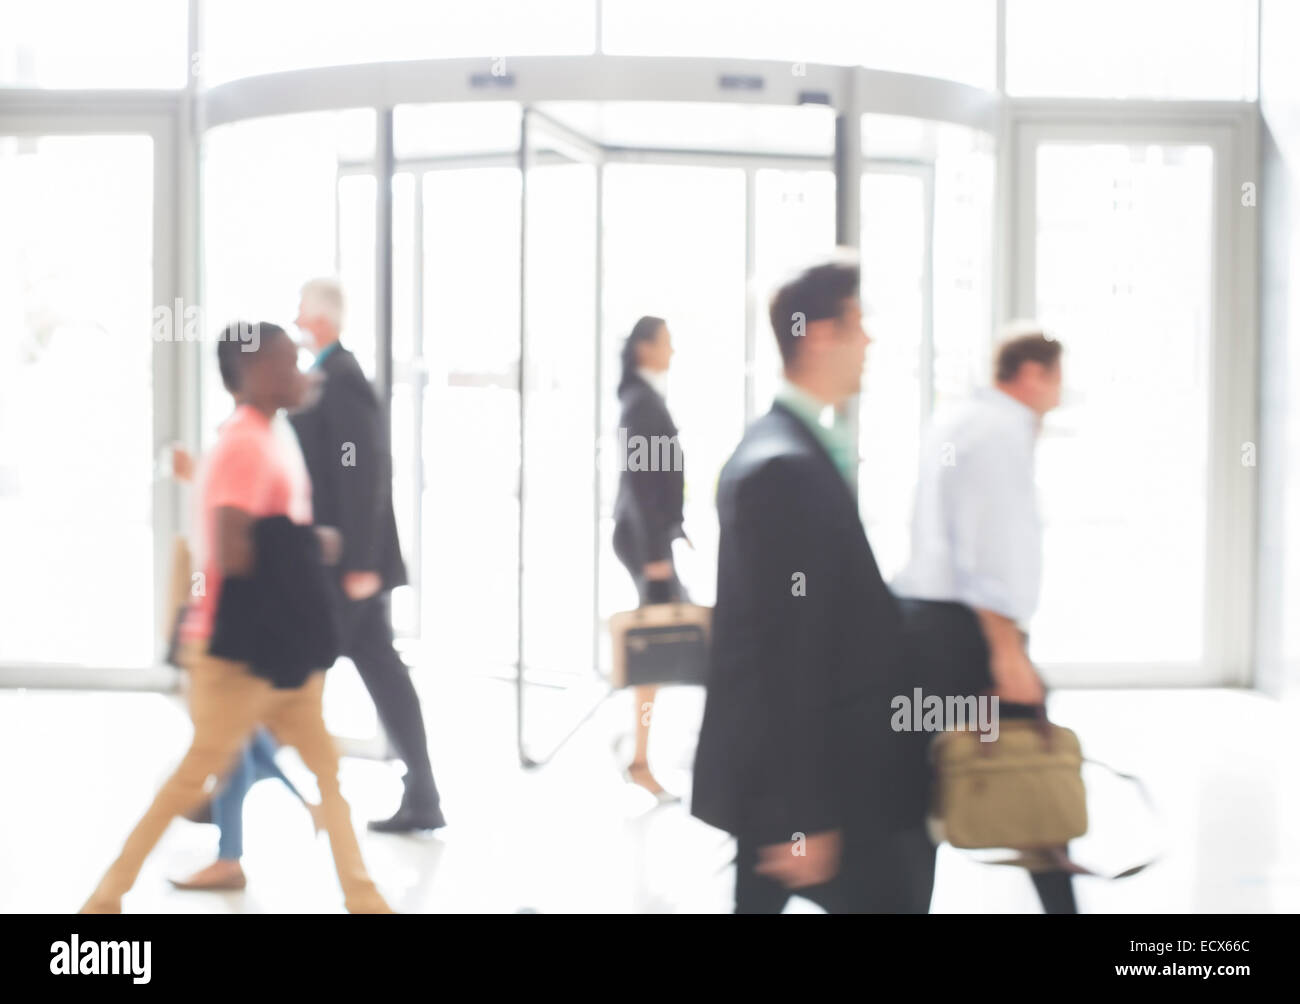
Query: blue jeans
pixel 256 763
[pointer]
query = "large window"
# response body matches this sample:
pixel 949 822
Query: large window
pixel 93 44
pixel 276 214
pixel 883 34
pixel 1122 253
pixel 1132 48
pixel 247 37
pixel 76 399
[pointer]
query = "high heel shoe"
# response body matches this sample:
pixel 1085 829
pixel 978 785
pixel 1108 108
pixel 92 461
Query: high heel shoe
pixel 638 773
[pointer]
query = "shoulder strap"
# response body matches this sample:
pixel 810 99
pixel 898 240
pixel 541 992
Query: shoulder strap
pixel 1059 859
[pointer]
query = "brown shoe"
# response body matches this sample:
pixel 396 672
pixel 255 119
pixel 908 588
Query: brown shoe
pixel 220 875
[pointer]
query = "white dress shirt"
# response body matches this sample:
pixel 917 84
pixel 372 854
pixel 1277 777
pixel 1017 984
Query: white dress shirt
pixel 976 533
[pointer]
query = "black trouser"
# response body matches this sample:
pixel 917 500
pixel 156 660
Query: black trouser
pixel 948 640
pixel 879 873
pixel 367 639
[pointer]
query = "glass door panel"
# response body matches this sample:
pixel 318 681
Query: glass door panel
pixel 895 292
pixel 559 418
pixel 1122 269
pixel 470 436
pixel 794 227
pixel 76 357
pixel 674 247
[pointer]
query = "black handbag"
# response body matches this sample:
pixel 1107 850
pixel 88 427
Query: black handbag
pixel 661 643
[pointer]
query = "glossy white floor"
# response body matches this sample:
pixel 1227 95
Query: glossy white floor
pixel 573 837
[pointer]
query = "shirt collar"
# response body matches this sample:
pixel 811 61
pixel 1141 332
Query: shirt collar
pixel 805 405
pixel 1001 399
pixel 657 379
pixel 247 413
pixel 324 354
pixel 836 438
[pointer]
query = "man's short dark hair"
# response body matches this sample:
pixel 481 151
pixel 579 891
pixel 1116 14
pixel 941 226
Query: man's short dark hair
pixel 238 342
pixel 1024 346
pixel 814 295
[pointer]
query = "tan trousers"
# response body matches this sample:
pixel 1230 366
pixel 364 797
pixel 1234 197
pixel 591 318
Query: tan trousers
pixel 227 703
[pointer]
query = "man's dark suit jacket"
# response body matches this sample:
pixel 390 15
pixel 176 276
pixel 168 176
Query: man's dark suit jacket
pixel 357 500
pixel 796 735
pixel 648 509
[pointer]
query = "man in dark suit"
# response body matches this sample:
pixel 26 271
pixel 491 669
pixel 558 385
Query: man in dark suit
pixel 345 445
pixel 796 756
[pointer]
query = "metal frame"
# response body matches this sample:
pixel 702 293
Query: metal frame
pixel 157 116
pixel 570 147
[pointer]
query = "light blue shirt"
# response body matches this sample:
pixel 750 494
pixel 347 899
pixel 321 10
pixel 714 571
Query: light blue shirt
pixel 976 531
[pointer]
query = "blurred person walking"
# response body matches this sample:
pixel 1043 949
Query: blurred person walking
pixel 345 446
pixel 976 562
pixel 256 763
pixel 226 811
pixel 648 508
pixel 796 756
pixel 249 480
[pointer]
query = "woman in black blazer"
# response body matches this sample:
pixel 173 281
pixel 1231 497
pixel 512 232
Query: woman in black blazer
pixel 648 511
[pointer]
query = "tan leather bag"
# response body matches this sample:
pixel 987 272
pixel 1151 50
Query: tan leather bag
pixel 1022 791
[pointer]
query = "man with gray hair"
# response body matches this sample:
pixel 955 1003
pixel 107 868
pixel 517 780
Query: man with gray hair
pixel 345 445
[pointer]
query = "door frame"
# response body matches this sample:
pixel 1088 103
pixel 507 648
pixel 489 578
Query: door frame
pixel 161 117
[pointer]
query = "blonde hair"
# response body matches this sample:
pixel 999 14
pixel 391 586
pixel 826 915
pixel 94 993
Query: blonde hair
pixel 324 298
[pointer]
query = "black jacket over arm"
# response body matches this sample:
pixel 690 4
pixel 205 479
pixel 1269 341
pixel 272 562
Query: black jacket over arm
pixel 281 619
pixel 796 735
pixel 356 497
pixel 648 509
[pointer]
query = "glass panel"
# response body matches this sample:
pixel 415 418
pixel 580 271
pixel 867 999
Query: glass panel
pixel 356 265
pixel 76 288
pixel 92 44
pixel 456 129
pixel 247 37
pixel 821 31
pixel 560 432
pixel 893 280
pixel 407 400
pixel 794 228
pixel 272 221
pixel 675 248
pixel 879 33
pixel 1123 258
pixel 471 417
pixel 906 38
pixel 683 125
pixel 964 187
pixel 1132 48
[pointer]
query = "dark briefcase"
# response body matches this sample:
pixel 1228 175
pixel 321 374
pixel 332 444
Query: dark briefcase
pixel 661 643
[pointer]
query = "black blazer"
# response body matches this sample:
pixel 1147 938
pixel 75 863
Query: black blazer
pixel 356 498
pixel 648 509
pixel 281 619
pixel 796 735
